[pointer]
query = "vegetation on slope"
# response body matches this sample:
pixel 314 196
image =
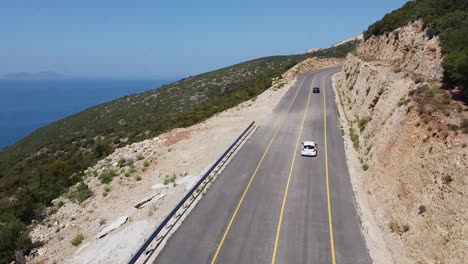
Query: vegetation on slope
pixel 447 19
pixel 46 163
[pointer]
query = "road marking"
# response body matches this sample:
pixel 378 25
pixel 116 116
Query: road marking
pixel 215 256
pixel 330 220
pixel 278 230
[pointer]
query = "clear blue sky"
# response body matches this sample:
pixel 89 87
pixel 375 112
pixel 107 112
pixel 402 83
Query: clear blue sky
pixel 170 38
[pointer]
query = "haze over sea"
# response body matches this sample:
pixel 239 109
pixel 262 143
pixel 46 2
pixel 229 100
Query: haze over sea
pixel 26 105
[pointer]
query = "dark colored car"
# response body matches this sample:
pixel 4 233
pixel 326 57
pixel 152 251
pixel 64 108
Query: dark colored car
pixel 316 90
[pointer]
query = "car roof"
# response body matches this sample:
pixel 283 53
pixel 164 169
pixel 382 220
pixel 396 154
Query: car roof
pixel 309 143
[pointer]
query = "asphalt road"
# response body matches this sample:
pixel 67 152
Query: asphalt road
pixel 270 204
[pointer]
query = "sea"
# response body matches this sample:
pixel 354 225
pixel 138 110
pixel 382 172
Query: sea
pixel 26 105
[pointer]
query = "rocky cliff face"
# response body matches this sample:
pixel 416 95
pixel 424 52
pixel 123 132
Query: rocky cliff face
pixel 408 48
pixel 407 149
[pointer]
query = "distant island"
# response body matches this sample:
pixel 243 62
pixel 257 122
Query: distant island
pixel 45 75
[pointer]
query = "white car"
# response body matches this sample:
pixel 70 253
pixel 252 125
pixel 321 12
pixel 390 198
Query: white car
pixel 309 148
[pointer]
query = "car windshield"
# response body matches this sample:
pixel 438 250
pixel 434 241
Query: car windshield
pixel 308 147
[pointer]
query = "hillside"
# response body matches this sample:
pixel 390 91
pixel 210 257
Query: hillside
pixel 447 19
pixel 43 165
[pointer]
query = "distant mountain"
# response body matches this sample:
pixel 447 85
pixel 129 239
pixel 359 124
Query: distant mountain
pixel 34 75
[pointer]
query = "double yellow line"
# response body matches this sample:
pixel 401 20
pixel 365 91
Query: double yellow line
pixel 330 219
pixel 278 229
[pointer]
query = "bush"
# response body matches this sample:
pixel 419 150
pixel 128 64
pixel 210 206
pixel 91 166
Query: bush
pixel 80 193
pixel 77 240
pixel 107 176
pixel 393 226
pixel 365 167
pixel 354 138
pixel 446 179
pixel 13 236
pixel 169 179
pixel 107 189
pixel 122 163
pixel 406 228
pixel 362 123
pixel 397 228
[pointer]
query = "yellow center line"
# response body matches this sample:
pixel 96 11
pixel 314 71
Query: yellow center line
pixel 215 256
pixel 278 230
pixel 330 220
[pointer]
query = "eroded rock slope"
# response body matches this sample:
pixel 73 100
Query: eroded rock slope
pixel 407 149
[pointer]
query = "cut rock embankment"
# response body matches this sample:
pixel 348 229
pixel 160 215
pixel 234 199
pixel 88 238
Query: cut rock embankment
pixel 406 149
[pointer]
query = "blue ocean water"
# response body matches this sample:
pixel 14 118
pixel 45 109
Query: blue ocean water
pixel 26 105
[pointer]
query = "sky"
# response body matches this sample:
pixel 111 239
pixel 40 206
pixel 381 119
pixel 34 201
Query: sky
pixel 167 39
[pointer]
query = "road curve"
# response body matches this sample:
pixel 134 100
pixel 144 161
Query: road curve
pixel 270 204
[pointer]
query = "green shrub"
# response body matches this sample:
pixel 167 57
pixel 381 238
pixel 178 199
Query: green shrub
pixel 146 163
pixel 80 193
pixel 393 226
pixel 13 236
pixel 107 189
pixel 362 123
pixel 107 176
pixel 403 101
pixel 139 157
pixel 169 179
pixel 122 163
pixel 354 138
pixel 397 228
pixel 77 240
pixel 406 228
pixel 365 167
pixel 446 179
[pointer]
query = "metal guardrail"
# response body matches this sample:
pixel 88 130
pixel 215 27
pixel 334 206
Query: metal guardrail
pixel 173 212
